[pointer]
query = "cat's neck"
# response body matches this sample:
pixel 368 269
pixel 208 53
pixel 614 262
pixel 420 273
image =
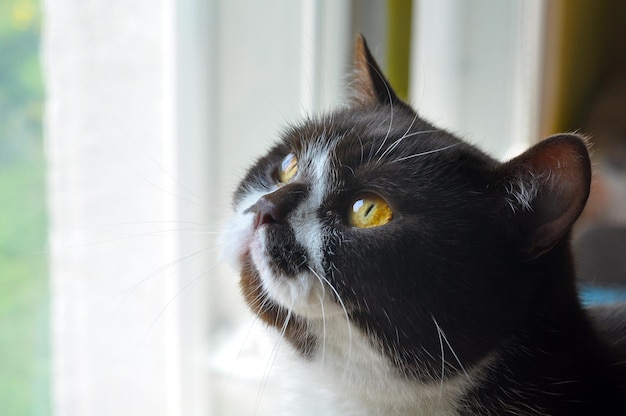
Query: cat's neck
pixel 556 295
pixel 356 377
pixel 553 365
pixel 556 356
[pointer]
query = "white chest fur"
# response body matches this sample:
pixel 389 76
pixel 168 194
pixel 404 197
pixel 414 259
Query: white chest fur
pixel 349 377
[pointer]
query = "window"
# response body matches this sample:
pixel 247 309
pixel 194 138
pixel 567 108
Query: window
pixel 154 111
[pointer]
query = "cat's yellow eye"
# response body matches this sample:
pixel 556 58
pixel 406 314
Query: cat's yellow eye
pixel 288 168
pixel 369 210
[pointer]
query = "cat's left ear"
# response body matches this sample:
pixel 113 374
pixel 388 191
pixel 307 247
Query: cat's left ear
pixel 369 85
pixel 546 189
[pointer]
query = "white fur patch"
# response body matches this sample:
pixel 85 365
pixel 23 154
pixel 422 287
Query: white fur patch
pixel 307 294
pixel 523 191
pixel 237 233
pixel 348 376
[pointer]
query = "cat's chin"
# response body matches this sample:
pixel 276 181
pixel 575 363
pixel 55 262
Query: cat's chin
pixel 304 294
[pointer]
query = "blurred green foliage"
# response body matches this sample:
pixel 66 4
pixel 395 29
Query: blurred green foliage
pixel 24 292
pixel 21 89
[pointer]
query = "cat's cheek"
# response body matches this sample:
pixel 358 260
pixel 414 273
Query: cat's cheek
pixel 259 257
pixel 303 294
pixel 273 284
pixel 238 232
pixel 235 240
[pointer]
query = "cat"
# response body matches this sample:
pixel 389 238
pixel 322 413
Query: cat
pixel 412 274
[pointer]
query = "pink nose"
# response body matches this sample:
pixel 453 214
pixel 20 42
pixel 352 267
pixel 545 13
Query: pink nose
pixel 266 212
pixel 275 207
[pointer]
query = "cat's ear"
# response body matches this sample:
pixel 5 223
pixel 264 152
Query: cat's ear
pixel 369 85
pixel 546 190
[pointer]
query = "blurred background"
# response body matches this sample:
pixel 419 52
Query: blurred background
pixel 24 287
pixel 125 126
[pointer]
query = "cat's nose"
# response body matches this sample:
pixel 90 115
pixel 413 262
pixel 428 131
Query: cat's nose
pixel 274 208
pixel 266 212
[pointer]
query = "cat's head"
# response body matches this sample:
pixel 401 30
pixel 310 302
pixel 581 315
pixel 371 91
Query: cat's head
pixel 371 215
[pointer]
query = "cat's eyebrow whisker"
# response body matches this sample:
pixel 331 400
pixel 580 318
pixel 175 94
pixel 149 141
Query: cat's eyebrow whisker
pixel 397 142
pixel 350 169
pixel 382 144
pixel 424 153
pixel 404 135
pixel 361 144
pixel 391 110
pixel 408 129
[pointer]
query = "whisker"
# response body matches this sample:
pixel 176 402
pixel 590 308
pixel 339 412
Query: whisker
pixel 322 297
pixel 358 136
pixel 391 110
pixel 397 142
pixel 443 360
pixel 126 295
pixel 183 289
pixel 199 231
pixel 272 360
pixel 157 186
pixel 252 322
pixel 135 223
pixel 456 357
pixel 129 291
pixel 408 129
pixel 343 307
pixel 166 172
pixel 424 153
pixel 405 133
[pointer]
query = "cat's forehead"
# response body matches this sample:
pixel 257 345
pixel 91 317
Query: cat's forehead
pixel 378 139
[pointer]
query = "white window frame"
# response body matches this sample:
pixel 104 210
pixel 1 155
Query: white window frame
pixel 109 138
pixel 477 70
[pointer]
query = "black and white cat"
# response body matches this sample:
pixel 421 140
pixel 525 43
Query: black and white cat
pixel 414 275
